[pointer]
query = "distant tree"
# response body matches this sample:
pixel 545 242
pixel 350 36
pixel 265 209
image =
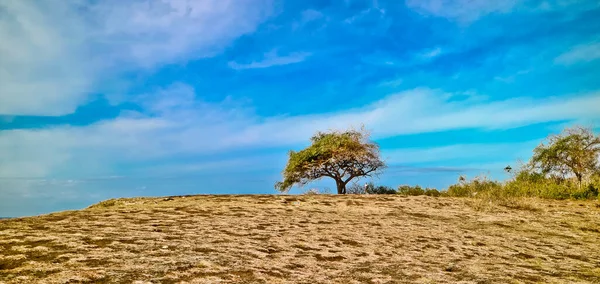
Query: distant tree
pixel 340 155
pixel 575 151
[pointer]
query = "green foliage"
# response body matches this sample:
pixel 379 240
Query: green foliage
pixel 524 184
pixel 589 192
pixel 575 152
pixel 410 190
pixel 488 193
pixel 417 190
pixel 465 188
pixel 432 192
pixel 341 156
pixel 528 183
pixel 381 189
pixel 370 188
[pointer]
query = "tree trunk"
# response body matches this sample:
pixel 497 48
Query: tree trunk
pixel 579 178
pixel 341 187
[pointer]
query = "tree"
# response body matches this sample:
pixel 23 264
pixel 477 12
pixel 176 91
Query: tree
pixel 574 151
pixel 340 155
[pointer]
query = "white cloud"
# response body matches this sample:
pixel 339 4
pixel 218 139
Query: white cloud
pixel 461 10
pixel 310 15
pixel 181 127
pixel 149 33
pixel 467 11
pixel 461 152
pixel 432 53
pixel 42 67
pixel 424 110
pixel 579 54
pixel 511 78
pixel 53 55
pixel 272 59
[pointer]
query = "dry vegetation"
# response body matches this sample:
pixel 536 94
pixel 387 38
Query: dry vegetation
pixel 306 239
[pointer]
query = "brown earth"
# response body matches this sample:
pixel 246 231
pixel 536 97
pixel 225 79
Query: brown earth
pixel 305 239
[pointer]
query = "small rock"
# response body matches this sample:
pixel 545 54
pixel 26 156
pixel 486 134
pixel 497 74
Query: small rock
pixel 165 247
pixel 451 268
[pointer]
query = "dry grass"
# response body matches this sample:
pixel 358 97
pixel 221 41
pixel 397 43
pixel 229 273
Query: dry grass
pixel 306 239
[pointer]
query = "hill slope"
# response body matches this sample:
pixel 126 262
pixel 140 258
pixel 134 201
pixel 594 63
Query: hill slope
pixel 303 239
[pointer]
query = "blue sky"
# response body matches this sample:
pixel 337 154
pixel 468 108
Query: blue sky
pixel 103 99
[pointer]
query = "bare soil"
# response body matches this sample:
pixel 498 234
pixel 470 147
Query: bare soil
pixel 305 239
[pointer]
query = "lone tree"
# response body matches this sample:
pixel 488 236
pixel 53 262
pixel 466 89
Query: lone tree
pixel 575 151
pixel 339 155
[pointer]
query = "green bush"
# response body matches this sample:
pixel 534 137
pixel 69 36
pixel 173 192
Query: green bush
pixel 417 190
pixel 371 188
pixel 524 184
pixel 381 189
pixel 550 188
pixel 432 192
pixel 473 187
pixel 589 192
pixel 410 190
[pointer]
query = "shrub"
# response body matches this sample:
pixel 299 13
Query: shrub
pixel 312 191
pixel 371 188
pixel 549 188
pixel 589 192
pixel 525 184
pixel 355 188
pixel 410 190
pixel 316 191
pixel 473 187
pixel 417 190
pixel 432 192
pixel 381 189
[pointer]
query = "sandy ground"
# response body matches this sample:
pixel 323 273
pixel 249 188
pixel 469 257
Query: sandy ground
pixel 304 239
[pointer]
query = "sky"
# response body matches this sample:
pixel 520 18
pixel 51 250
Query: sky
pixel 106 99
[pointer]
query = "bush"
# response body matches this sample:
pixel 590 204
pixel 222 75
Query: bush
pixel 550 188
pixel 432 192
pixel 417 190
pixel 369 189
pixel 589 192
pixel 473 187
pixel 410 190
pixel 381 189
pixel 525 184
pixel 355 188
pixel 316 191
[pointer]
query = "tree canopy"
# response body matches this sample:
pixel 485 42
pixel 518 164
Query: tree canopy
pixel 575 152
pixel 340 155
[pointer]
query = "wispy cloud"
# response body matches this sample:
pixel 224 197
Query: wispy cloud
pixel 448 67
pixel 461 10
pixel 461 152
pixel 162 31
pixel 43 69
pixel 191 128
pixel 466 12
pixel 53 56
pixel 580 54
pixel 271 59
pixel 431 53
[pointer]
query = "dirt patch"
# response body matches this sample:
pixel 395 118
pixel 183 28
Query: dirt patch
pixel 303 239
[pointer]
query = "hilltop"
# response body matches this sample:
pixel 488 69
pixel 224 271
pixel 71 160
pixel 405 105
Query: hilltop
pixel 304 239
